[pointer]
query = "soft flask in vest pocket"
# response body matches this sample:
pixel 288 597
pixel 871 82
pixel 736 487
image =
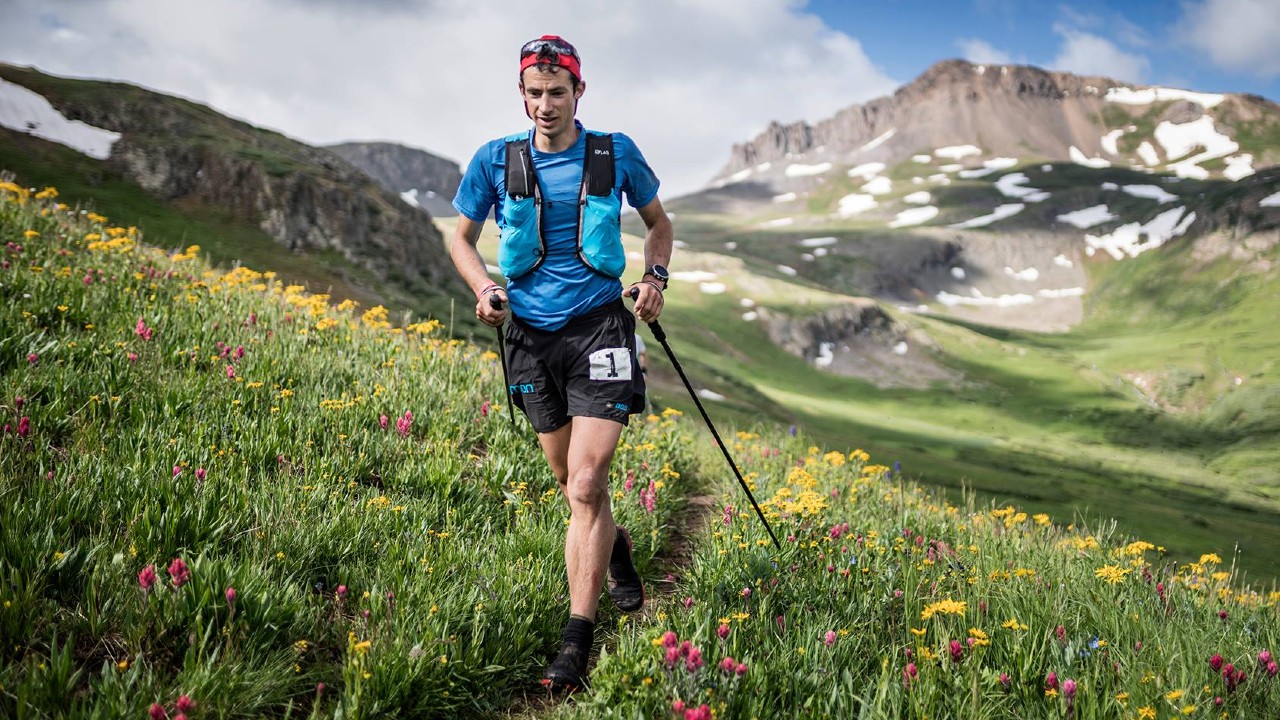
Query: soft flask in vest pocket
pixel 601 235
pixel 519 251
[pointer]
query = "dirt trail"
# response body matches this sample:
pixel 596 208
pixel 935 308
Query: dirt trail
pixel 661 582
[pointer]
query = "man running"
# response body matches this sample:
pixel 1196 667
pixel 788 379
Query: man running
pixel 556 191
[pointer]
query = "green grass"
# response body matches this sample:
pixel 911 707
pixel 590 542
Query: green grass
pixel 413 569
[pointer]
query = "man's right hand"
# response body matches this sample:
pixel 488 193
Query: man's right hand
pixel 491 306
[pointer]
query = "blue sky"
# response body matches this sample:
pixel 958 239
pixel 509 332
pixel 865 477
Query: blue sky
pixel 685 78
pixel 1207 45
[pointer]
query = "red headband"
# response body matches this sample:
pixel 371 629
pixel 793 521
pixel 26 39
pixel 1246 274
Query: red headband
pixel 550 50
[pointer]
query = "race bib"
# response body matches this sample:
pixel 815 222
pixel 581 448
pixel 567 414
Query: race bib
pixel 611 364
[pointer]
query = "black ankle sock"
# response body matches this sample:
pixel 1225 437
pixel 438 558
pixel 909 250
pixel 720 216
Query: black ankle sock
pixel 580 633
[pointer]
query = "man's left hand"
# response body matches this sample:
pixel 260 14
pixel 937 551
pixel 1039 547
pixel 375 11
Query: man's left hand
pixel 649 301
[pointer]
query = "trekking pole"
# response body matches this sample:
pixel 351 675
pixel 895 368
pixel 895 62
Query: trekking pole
pixel 661 337
pixel 496 304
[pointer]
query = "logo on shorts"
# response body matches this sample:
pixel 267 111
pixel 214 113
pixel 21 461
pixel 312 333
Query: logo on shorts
pixel 620 406
pixel 521 389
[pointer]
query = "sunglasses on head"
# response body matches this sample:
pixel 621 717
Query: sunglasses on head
pixel 543 47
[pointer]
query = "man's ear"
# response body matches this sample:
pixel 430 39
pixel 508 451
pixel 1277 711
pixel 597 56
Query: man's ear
pixel 582 87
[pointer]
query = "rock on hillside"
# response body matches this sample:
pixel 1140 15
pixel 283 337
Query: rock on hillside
pixel 860 340
pixel 305 198
pixel 418 177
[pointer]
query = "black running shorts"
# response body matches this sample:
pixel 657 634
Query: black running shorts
pixel 585 369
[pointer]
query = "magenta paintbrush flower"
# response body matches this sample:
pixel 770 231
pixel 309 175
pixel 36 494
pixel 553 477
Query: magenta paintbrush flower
pixel 179 573
pixel 147 577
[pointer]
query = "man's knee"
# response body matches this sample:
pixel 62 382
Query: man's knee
pixel 588 489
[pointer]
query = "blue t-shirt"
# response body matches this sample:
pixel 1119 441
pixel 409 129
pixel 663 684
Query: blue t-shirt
pixel 563 287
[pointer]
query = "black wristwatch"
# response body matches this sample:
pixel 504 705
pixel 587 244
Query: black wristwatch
pixel 659 272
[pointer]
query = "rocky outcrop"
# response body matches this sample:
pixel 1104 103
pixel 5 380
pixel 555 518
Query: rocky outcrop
pixel 425 180
pixel 1008 109
pixel 305 198
pixel 858 339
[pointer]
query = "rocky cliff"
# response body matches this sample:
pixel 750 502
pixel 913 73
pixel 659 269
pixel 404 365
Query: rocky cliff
pixel 422 179
pixel 1009 110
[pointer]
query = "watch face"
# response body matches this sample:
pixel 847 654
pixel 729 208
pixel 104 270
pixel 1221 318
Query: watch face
pixel 660 272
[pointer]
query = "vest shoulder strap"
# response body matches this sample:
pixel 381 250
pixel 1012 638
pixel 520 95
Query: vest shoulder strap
pixel 598 169
pixel 520 177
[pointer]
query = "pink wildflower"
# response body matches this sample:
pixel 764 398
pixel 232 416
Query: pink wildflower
pixel 1051 681
pixel 830 638
pixel 1264 657
pixel 147 577
pixel 18 402
pixel 179 573
pixel 694 661
pixel 200 473
pixel 404 423
pixel 672 656
pixel 24 426
pixel 677 706
pixel 1068 688
pixel 185 704
pixel 177 470
pixel 687 602
pixel 33 358
pixel 1005 681
pixel 728 664
pixel 133 357
pixel 1215 662
pixel 382 420
pixel 141 330
pixel 702 712
pixel 1273 668
pixel 1222 614
pixel 740 669
pixel 1061 632
pixel 231 596
pixel 909 674
pixel 781 622
pixel 649 497
pixel 231 371
pixel 723 631
pixel 156 711
pixel 484 408
pixel 746 592
pixel 957 651
pixel 670 639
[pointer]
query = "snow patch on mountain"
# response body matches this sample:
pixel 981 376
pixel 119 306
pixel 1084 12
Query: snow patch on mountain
pixel 879 140
pixel 1012 186
pixel 1146 96
pixel 1001 212
pixel 1180 139
pixel 1127 239
pixel 1078 157
pixel 801 170
pixel 956 152
pixel 29 112
pixel 914 216
pixel 1088 217
pixel 1154 192
pixel 855 204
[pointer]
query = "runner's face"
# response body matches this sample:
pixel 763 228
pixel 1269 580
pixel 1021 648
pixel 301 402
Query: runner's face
pixel 551 100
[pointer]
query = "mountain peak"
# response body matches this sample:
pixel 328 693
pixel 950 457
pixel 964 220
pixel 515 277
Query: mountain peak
pixel 1018 111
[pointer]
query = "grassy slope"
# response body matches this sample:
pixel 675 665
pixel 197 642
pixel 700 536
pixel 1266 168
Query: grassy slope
pixel 226 239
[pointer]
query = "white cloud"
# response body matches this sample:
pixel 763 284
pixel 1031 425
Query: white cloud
pixel 685 80
pixel 1235 34
pixel 982 52
pixel 1087 54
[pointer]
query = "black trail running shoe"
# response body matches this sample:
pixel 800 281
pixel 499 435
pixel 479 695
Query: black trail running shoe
pixel 625 587
pixel 568 672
